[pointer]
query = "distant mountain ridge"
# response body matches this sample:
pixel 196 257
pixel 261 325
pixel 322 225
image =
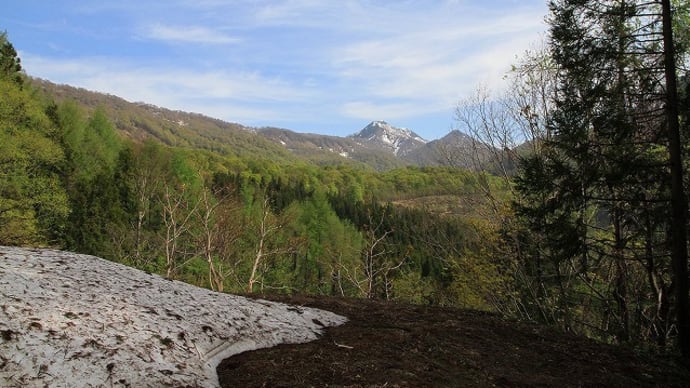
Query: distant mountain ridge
pixel 378 145
pixel 455 148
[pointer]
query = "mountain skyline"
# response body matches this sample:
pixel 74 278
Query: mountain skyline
pixel 361 131
pixel 315 67
pixel 379 144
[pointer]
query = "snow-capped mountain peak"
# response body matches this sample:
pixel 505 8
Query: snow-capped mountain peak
pixel 398 140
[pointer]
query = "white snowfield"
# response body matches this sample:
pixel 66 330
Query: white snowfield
pixel 69 320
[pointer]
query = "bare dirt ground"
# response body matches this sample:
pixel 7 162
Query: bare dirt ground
pixel 393 345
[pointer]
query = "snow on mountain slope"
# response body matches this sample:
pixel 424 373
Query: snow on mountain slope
pixel 398 140
pixel 69 320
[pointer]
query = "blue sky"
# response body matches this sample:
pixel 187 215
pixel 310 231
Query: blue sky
pixel 320 66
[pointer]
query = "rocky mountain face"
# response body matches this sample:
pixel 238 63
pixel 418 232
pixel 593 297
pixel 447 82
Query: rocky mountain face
pixel 383 146
pixel 380 134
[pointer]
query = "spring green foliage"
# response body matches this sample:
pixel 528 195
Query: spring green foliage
pixel 242 215
pixel 92 148
pixel 33 201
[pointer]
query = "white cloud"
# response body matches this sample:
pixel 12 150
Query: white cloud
pixel 368 110
pixel 188 34
pixel 231 95
pixel 287 10
pixel 299 61
pixel 431 66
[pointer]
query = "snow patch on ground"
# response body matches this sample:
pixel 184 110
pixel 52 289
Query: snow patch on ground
pixel 81 321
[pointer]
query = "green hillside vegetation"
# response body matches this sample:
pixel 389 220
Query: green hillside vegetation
pixel 140 121
pixel 328 150
pixel 217 205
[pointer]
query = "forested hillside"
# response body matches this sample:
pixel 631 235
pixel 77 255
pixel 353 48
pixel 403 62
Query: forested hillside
pixel 221 207
pixel 141 121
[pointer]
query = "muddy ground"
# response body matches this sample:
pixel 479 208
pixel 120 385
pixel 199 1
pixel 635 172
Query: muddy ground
pixel 394 345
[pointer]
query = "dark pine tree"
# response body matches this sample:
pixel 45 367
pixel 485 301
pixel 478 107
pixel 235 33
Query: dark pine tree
pixel 598 196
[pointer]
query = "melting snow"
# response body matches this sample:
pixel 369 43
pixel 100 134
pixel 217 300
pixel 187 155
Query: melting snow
pixel 397 139
pixel 81 321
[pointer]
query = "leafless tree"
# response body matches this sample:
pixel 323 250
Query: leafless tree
pixel 503 128
pixel 147 179
pixel 377 264
pixel 267 229
pixel 177 212
pixel 220 229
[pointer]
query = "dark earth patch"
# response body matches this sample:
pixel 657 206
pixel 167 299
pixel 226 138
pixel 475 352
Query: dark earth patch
pixel 395 345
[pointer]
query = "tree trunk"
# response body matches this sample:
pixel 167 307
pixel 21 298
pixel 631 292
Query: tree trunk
pixel 264 231
pixel 255 266
pixel 620 294
pixel 679 255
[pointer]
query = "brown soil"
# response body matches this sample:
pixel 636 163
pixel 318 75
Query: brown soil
pixel 392 345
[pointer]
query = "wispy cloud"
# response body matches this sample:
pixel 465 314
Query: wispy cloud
pixel 308 62
pixel 188 34
pixel 432 66
pixel 370 110
pixel 218 93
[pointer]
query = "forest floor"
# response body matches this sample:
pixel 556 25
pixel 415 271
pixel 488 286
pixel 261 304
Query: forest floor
pixel 395 345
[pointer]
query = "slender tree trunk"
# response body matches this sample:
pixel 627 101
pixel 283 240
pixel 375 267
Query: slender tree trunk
pixel 620 294
pixel 140 227
pixel 142 184
pixel 264 231
pixel 214 278
pixel 660 321
pixel 255 266
pixel 678 201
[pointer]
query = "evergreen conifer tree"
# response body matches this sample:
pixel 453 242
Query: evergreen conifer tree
pixel 599 194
